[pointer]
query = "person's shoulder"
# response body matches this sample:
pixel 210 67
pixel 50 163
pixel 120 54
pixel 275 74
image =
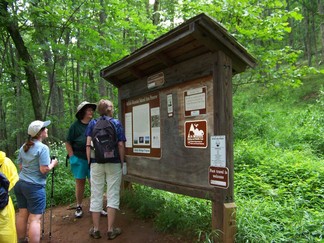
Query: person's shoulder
pixel 93 122
pixel 115 121
pixel 74 124
pixel 40 145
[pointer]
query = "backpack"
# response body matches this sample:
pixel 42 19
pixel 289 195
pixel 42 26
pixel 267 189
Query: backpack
pixel 104 137
pixel 4 191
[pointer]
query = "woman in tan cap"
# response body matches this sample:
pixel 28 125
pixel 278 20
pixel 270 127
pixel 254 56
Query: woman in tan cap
pixel 76 148
pixel 34 162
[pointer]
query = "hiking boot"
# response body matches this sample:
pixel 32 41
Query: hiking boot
pixel 113 234
pixel 94 234
pixel 103 213
pixel 78 213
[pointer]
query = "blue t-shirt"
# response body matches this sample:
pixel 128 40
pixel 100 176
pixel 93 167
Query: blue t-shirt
pixel 37 155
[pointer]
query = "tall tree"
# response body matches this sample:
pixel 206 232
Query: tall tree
pixel 321 13
pixel 34 86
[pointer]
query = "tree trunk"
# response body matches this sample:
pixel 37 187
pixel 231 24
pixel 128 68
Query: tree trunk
pixel 156 14
pixel 321 12
pixel 33 84
pixel 307 38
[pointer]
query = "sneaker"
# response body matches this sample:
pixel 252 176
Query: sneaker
pixel 113 234
pixel 94 234
pixel 78 213
pixel 103 213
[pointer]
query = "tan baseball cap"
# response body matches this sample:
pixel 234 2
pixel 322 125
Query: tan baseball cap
pixel 36 126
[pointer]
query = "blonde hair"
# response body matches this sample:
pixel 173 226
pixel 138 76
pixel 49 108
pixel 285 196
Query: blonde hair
pixel 105 107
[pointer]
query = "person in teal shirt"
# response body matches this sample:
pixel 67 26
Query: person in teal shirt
pixel 76 147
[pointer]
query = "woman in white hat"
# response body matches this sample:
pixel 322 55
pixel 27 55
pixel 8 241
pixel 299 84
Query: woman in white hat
pixel 76 148
pixel 34 162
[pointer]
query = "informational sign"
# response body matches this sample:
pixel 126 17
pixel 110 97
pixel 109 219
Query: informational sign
pixel 170 105
pixel 195 134
pixel 218 176
pixel 142 126
pixel 155 80
pixel 218 151
pixel 195 101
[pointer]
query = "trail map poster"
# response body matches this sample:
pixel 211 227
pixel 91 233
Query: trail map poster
pixel 142 126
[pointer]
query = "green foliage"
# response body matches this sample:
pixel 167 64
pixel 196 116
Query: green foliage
pixel 144 201
pixel 262 219
pixel 171 212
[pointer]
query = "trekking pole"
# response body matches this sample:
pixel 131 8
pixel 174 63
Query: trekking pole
pixel 43 224
pixel 52 196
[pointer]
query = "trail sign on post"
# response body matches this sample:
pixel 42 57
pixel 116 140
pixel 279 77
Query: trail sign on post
pixel 218 177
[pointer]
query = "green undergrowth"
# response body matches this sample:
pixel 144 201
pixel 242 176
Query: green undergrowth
pixel 172 213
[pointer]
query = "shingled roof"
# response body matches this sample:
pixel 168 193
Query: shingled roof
pixel 197 36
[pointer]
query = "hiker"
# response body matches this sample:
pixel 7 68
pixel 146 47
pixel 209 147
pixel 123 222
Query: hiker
pixel 8 232
pixel 105 172
pixel 34 162
pixel 76 148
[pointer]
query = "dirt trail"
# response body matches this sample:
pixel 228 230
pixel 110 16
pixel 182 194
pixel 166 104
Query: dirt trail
pixel 67 229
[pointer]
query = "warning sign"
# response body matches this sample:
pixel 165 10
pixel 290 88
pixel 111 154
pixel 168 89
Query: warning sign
pixel 218 176
pixel 195 134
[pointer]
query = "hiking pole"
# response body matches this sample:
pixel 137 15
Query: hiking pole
pixel 43 224
pixel 52 196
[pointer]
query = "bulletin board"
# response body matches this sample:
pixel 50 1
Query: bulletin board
pixel 142 125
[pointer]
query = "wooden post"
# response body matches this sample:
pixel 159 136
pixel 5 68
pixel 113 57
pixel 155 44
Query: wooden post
pixel 223 206
pixel 229 222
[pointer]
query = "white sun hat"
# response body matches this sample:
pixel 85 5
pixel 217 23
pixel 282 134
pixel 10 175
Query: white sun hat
pixel 36 126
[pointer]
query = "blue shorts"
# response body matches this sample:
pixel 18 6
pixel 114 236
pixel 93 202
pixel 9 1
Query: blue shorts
pixel 79 167
pixel 31 196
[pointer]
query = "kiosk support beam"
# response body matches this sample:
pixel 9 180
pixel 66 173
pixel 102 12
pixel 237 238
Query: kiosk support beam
pixel 223 208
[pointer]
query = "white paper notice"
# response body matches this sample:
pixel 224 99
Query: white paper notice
pixel 195 102
pixel 218 151
pixel 155 124
pixel 170 104
pixel 128 130
pixel 141 124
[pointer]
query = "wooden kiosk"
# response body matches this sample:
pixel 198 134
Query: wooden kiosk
pixel 175 101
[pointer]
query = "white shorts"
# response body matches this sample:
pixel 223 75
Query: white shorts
pixel 110 173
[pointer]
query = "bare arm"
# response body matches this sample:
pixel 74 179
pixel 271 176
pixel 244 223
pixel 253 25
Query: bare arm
pixel 46 168
pixel 121 149
pixel 88 148
pixel 69 148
